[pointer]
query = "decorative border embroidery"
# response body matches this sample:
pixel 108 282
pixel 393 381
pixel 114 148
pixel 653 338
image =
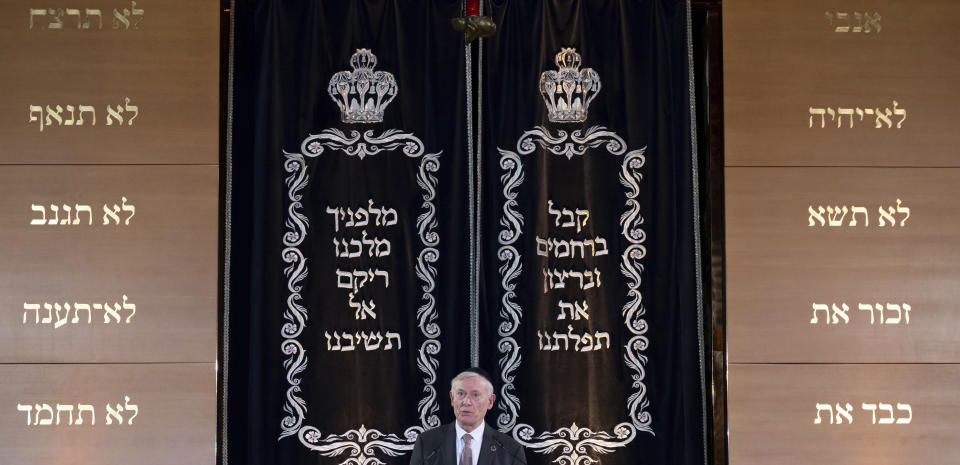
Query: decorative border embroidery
pixel 575 143
pixel 361 444
pixel 574 442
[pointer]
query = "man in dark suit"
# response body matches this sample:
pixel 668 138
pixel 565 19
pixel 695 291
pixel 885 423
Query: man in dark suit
pixel 468 441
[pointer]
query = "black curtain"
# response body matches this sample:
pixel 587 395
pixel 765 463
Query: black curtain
pixel 346 232
pixel 591 301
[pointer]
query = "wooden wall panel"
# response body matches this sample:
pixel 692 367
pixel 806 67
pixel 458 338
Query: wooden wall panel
pixel 164 261
pixel 782 58
pixel 112 108
pixel 175 421
pixel 772 411
pixel 167 66
pixel 778 265
pixel 804 83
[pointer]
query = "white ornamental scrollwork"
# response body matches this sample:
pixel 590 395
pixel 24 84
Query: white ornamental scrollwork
pixel 361 145
pixel 570 144
pixel 510 268
pixel 633 310
pixel 361 444
pixel 574 443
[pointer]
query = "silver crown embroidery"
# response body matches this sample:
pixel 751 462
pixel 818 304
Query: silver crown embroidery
pixel 569 90
pixel 362 94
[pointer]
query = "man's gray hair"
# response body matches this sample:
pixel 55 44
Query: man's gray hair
pixel 470 374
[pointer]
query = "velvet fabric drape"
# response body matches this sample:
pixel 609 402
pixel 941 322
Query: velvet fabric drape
pixel 617 176
pixel 346 271
pixel 589 317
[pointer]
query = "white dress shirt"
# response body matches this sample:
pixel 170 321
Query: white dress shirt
pixel 476 439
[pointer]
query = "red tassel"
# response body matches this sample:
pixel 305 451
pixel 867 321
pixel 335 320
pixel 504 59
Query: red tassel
pixel 473 8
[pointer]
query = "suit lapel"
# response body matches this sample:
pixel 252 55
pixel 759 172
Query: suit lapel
pixel 487 447
pixel 448 445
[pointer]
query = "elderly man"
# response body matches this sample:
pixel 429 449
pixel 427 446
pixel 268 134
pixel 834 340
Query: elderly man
pixel 468 441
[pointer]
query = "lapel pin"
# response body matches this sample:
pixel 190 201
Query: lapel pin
pixel 493 448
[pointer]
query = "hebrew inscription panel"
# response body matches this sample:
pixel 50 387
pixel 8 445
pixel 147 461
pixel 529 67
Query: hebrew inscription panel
pixel 109 81
pixel 874 281
pixel 851 414
pixel 108 263
pixel 840 84
pixel 154 414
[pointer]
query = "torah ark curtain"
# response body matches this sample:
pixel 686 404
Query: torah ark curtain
pixel 345 261
pixel 351 199
pixel 590 307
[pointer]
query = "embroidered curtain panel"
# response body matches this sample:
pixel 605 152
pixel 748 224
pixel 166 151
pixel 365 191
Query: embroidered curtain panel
pixel 347 226
pixel 591 299
pixel 400 207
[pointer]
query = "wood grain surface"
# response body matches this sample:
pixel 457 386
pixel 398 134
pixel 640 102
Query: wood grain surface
pixel 168 67
pixel 778 265
pixel 175 421
pixel 164 261
pixel 773 408
pixel 782 58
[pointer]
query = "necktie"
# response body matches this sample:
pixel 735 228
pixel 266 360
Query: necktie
pixel 466 457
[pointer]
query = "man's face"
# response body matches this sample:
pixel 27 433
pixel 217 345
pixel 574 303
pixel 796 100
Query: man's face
pixel 471 400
